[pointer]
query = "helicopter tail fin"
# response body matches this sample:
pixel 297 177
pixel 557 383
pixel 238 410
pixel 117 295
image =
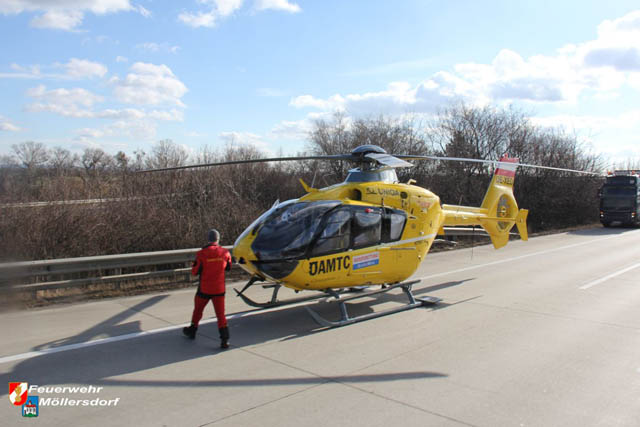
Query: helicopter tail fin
pixel 502 211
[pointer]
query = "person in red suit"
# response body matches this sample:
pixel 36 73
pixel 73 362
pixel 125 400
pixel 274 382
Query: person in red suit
pixel 211 263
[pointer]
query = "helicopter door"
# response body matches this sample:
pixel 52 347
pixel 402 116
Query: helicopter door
pixel 368 257
pixel 336 236
pixel 329 258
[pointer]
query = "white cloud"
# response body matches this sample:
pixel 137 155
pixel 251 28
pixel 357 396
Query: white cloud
pixel 58 19
pixel 7 126
pixel 225 7
pixel 398 98
pixel 149 84
pixel 218 9
pixel 75 69
pixel 66 14
pixel 120 59
pixel 200 19
pixel 66 102
pixel 335 102
pixel 283 5
pixel 172 115
pixel 82 68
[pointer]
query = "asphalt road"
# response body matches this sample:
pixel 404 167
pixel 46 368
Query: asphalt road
pixel 539 333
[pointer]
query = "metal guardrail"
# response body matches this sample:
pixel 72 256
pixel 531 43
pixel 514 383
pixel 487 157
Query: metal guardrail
pixel 12 274
pixel 39 273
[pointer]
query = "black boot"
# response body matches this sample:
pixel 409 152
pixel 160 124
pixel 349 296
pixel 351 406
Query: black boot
pixel 224 337
pixel 190 331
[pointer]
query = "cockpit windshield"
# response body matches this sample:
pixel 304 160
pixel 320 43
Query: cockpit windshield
pixel 384 175
pixel 289 229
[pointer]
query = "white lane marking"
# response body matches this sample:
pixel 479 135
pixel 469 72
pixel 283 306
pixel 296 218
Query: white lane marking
pixel 609 276
pixel 75 346
pixel 502 261
pixel 92 343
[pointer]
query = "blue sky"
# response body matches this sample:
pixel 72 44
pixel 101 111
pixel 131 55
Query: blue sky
pixel 123 74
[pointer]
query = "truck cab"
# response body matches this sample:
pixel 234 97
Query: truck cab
pixel 620 199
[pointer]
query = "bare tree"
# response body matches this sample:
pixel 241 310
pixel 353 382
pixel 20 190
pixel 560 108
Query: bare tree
pixel 122 160
pixel 31 154
pixel 166 154
pixel 62 161
pixel 96 161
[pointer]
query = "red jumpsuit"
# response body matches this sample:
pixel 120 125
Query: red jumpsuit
pixel 211 263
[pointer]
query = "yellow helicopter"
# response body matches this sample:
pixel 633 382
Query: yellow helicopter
pixel 368 230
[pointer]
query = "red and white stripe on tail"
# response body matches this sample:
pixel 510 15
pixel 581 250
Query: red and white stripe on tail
pixel 507 166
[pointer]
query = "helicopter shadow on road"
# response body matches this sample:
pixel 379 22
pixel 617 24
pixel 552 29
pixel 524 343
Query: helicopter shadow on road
pixel 330 310
pixel 95 365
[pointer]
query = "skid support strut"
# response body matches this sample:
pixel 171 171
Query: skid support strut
pixel 345 319
pixel 274 302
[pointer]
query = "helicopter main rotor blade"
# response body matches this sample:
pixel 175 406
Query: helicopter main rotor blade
pixel 265 160
pixel 493 162
pixel 388 160
pixel 364 154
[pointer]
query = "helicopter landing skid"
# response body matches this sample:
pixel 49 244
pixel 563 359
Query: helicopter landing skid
pixel 345 319
pixel 274 302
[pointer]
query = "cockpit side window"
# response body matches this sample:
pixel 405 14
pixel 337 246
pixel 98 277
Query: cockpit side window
pixel 354 227
pixel 393 225
pixel 336 235
pixel 367 227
